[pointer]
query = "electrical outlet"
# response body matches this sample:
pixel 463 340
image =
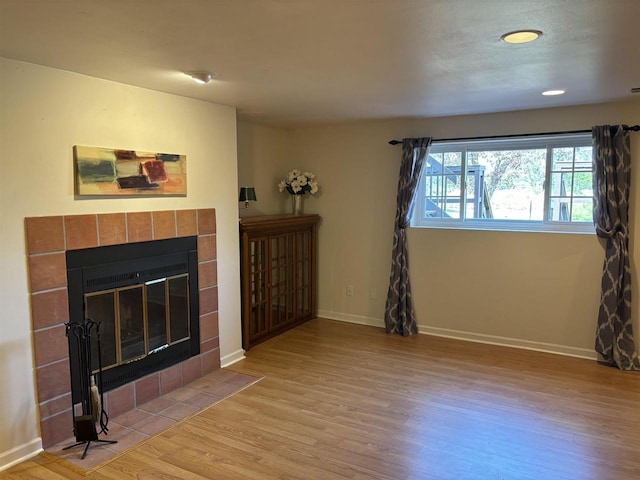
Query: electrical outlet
pixel 349 290
pixel 374 293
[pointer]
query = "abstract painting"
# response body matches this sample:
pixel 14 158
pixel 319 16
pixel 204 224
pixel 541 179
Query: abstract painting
pixel 110 171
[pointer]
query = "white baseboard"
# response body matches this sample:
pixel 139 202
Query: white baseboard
pixel 509 342
pixel 469 336
pixel 232 358
pixel 20 453
pixel 348 318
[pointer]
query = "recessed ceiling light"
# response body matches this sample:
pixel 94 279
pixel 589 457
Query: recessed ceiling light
pixel 550 93
pixel 200 77
pixel 521 36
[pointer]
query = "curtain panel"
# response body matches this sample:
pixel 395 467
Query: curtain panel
pixel 611 183
pixel 399 316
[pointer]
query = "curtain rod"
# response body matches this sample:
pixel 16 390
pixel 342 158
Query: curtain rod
pixel 634 128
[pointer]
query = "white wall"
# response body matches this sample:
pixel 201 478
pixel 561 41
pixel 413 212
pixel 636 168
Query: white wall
pixel 525 289
pixel 263 153
pixel 45 112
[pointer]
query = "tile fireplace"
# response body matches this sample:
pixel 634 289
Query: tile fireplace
pixel 52 241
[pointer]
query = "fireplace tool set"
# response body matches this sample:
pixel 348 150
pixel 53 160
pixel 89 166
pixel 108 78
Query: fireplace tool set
pixel 91 399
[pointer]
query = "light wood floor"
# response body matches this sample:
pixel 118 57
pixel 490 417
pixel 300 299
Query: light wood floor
pixel 348 401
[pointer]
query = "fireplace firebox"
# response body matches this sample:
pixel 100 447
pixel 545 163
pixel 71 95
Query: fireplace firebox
pixel 144 296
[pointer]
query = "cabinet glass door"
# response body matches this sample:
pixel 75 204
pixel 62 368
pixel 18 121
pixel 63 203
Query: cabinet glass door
pixel 281 250
pixel 303 273
pixel 258 287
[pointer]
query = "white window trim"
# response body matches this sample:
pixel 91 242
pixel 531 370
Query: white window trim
pixel 544 226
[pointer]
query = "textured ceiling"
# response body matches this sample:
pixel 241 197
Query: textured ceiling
pixel 291 62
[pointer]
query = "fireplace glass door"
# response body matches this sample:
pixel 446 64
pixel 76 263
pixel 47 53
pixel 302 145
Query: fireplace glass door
pixel 138 320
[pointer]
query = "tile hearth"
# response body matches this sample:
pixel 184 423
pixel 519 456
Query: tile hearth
pixel 136 426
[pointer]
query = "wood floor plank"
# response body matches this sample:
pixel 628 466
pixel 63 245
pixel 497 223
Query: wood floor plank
pixel 341 401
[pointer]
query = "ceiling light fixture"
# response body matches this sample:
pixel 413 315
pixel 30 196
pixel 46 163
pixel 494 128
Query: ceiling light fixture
pixel 521 36
pixel 200 77
pixel 550 93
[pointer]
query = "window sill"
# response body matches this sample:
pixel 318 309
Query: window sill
pixel 511 226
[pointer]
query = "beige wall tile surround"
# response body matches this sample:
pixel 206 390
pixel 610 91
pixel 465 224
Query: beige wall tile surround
pixel 210 361
pixel 81 231
pixel 164 224
pixel 206 247
pixel 209 345
pixel 208 300
pixel 47 271
pixel 209 326
pixel 58 404
pixel 170 379
pixel 207 221
pixel 49 308
pixel 56 428
pixel 112 228
pixel 191 370
pixel 120 400
pixel 207 274
pixel 53 379
pixel 47 239
pixel 50 345
pixel 147 388
pixel 186 223
pixel 139 227
pixel 44 234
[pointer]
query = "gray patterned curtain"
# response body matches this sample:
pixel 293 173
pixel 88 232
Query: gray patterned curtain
pixel 399 316
pixel 611 182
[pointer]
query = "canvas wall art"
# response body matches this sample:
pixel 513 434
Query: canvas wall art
pixel 110 171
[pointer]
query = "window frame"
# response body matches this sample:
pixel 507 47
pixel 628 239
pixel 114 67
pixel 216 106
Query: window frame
pixel 548 142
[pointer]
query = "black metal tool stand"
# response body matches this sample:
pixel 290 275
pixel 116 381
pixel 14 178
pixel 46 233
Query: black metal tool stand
pixel 84 426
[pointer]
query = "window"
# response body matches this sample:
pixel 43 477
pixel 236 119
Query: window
pixel 531 184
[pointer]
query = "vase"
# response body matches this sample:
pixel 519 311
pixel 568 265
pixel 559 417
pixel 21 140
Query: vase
pixel 296 204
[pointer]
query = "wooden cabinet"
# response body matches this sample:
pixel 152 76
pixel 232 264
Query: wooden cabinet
pixel 277 274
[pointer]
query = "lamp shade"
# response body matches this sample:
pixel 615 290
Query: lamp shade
pixel 247 194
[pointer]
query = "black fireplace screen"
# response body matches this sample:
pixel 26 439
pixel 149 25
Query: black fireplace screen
pixel 139 320
pixel 144 296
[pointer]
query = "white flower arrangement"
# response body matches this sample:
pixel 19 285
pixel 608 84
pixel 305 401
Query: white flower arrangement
pixel 299 183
